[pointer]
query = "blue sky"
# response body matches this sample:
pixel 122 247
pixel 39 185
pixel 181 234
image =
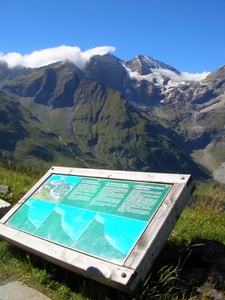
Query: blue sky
pixel 186 34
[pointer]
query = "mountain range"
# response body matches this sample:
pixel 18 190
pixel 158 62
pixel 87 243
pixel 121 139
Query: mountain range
pixel 140 114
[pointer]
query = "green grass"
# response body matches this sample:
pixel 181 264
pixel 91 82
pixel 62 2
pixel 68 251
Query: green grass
pixel 19 179
pixel 204 217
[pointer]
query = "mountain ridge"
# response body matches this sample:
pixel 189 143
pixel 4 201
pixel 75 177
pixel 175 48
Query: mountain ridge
pixel 81 104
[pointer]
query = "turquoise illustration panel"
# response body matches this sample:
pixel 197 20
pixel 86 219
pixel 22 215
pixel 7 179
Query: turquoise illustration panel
pixel 100 217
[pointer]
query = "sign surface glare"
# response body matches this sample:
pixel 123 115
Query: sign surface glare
pixel 99 217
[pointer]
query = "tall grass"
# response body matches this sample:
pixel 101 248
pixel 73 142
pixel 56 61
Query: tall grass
pixel 204 216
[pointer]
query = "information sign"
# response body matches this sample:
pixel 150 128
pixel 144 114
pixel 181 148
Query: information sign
pixel 101 219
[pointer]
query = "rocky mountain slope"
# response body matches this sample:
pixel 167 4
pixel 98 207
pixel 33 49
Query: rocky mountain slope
pixel 133 115
pixel 192 113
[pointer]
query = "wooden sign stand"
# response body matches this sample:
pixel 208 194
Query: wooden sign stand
pixel 106 225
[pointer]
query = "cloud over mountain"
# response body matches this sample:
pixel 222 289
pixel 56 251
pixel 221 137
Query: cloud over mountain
pixel 47 56
pixel 50 55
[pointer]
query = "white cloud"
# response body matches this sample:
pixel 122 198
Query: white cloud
pixel 47 56
pixel 193 76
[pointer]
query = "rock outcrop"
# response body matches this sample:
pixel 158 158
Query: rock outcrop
pixel 4 206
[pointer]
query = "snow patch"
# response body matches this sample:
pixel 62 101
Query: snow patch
pixel 164 77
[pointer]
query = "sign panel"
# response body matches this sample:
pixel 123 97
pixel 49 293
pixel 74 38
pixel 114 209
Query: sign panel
pixel 107 219
pixel 100 217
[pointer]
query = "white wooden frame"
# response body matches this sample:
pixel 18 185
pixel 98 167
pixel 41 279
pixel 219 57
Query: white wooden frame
pixel 138 263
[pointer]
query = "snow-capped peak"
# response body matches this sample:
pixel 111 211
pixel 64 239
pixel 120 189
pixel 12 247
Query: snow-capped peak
pixel 145 65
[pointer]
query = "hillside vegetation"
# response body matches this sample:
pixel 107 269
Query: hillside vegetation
pixel 204 217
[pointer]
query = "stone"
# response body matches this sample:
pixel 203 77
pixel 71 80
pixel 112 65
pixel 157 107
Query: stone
pixel 16 290
pixel 4 189
pixel 4 207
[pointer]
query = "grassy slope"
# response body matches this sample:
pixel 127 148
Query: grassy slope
pixel 202 218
